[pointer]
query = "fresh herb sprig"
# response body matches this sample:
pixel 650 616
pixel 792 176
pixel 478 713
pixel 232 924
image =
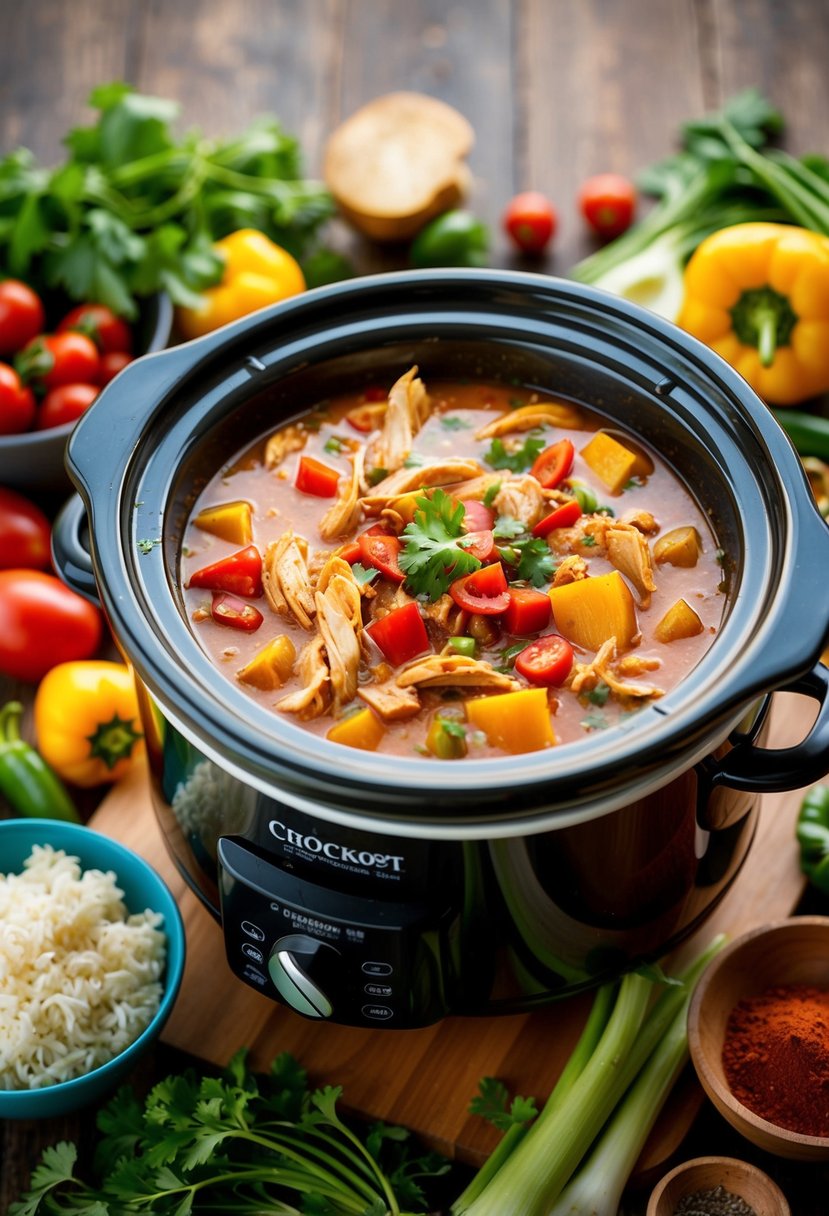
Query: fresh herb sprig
pixel 435 555
pixel 517 460
pixel 530 556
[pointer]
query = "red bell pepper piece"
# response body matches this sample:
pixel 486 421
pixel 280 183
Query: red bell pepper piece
pixel 529 611
pixel 401 635
pixel 564 516
pixel 314 477
pixel 381 551
pixel 554 463
pixel 240 574
pixel 228 610
pixel 484 591
pixel 546 661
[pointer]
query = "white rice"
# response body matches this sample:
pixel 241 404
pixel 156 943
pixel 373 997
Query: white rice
pixel 79 977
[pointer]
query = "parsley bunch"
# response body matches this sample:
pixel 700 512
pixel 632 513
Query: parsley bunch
pixel 434 555
pixel 235 1143
pixel 134 210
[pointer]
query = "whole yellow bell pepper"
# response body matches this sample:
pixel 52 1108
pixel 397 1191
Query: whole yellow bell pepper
pixel 257 273
pixel 758 294
pixel 86 721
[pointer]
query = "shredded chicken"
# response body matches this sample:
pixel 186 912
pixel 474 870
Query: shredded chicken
pixel 313 699
pixel 571 570
pixel 540 413
pixel 521 498
pixel 284 441
pixel 476 488
pixel 389 596
pixel 643 521
pixel 407 481
pixel 628 550
pixel 343 516
pixel 585 676
pixel 337 600
pixel 390 702
pixel 636 664
pixel 408 408
pixel 439 670
pixel 286 579
pixel 445 613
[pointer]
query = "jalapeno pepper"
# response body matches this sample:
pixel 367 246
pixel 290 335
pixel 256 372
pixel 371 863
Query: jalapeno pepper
pixel 26 780
pixel 813 836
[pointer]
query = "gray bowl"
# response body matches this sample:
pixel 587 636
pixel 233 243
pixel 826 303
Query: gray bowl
pixel 33 461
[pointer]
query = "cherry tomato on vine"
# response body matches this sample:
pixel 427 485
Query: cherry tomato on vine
pixel 43 623
pixel 530 221
pixel 25 533
pixel 55 359
pixel 17 403
pixel 65 404
pixel 608 203
pixel 21 315
pixel 107 330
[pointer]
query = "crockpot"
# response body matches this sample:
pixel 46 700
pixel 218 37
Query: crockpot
pixel 390 891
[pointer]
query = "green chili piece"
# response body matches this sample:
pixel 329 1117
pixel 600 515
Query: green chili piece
pixel 813 836
pixel 26 780
pixel 463 645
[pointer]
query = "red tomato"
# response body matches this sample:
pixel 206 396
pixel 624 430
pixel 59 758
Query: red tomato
pixel 382 552
pixel 476 517
pixel 484 591
pixel 55 359
pixel 554 463
pixel 228 610
pixel 107 331
pixel 480 545
pixel 401 635
pixel 366 417
pixel 530 220
pixel 43 623
pixel 546 661
pixel 314 477
pixel 608 203
pixel 528 611
pixel 21 315
pixel 564 516
pixel 17 403
pixel 25 533
pixel 65 404
pixel 239 574
pixel 111 363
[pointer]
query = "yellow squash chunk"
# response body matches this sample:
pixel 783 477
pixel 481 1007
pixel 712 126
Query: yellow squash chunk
pixel 272 666
pixel 229 520
pixel 514 721
pixel 680 621
pixel 363 730
pixel 610 460
pixel 591 610
pixel 680 547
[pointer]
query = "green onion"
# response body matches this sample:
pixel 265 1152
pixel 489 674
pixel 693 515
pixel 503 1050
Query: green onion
pixel 465 646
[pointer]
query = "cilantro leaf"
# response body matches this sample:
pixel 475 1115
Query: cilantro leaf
pixel 599 694
pixel 506 527
pixel 532 559
pixel 517 461
pixel 492 1102
pixel 364 574
pixel 57 1166
pixel 451 422
pixel 434 555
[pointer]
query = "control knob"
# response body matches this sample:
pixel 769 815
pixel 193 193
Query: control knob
pixel 299 966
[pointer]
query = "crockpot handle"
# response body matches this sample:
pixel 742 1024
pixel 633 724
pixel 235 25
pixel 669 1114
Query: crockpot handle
pixel 769 770
pixel 70 549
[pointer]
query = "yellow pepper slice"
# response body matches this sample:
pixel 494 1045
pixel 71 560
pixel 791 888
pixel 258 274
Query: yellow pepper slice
pixel 362 730
pixel 758 294
pixel 86 721
pixel 231 521
pixel 257 273
pixel 272 666
pixel 515 721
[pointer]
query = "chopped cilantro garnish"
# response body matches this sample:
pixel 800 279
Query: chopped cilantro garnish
pixel 595 721
pixel 605 511
pixel 334 444
pixel 364 574
pixel 531 558
pixel 599 694
pixel 413 461
pixel 453 423
pixel 147 546
pixel 588 541
pixel 376 475
pixel 517 461
pixel 434 555
pixel 506 527
pixel 492 491
pixel 635 483
pixel 452 728
pixel 508 657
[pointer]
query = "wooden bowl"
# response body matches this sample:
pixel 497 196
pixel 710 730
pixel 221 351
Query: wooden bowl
pixel 705 1173
pixel 793 951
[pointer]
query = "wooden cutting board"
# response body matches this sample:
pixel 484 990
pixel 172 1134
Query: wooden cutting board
pixel 423 1079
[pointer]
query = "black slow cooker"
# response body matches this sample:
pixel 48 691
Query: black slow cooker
pixel 386 891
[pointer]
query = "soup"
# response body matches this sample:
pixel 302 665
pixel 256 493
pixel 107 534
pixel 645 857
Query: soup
pixel 451 570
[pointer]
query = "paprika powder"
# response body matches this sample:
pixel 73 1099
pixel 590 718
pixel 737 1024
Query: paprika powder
pixel 776 1057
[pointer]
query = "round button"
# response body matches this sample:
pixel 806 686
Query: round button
pixel 299 966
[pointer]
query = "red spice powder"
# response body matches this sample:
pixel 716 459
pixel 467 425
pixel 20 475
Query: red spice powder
pixel 776 1057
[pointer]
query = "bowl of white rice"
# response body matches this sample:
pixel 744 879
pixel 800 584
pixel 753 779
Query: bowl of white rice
pixel 91 961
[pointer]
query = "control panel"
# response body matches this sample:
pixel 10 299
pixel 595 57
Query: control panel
pixel 354 960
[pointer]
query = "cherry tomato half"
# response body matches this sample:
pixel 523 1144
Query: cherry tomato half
pixel 17 403
pixel 530 221
pixel 480 544
pixel 546 661
pixel 65 404
pixel 476 517
pixel 55 359
pixel 21 315
pixel 608 203
pixel 239 574
pixel 382 552
pixel 107 330
pixel 554 463
pixel 25 533
pixel 483 592
pixel 43 623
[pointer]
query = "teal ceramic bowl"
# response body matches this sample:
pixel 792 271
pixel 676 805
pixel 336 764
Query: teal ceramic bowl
pixel 142 889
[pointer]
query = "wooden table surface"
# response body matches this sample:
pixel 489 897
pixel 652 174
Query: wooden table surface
pixel 555 90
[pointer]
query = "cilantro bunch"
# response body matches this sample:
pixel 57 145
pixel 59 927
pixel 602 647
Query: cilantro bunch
pixel 435 555
pixel 241 1142
pixel 134 209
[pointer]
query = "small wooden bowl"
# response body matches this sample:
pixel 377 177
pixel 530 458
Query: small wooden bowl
pixel 793 951
pixel 704 1173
